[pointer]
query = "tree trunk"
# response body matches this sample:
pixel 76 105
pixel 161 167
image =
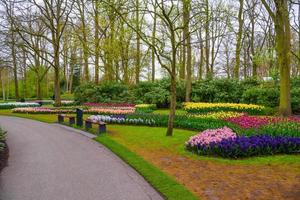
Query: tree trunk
pixel 153 42
pixel 239 41
pixel 188 79
pixel 209 74
pixel 173 88
pixel 15 68
pixel 201 62
pixel 254 64
pixel 138 44
pixel 97 42
pixel 283 48
pixel 3 85
pixel 39 89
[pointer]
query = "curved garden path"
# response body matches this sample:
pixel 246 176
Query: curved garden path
pixel 51 162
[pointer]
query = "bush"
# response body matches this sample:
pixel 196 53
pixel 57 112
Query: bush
pixel 157 92
pixel 262 96
pixel 219 90
pixel 295 93
pixel 106 92
pixel 67 96
pixel 248 91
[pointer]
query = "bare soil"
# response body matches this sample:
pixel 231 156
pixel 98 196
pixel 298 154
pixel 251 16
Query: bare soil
pixel 219 181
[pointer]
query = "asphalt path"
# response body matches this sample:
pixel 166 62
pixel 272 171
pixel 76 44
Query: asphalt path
pixel 51 162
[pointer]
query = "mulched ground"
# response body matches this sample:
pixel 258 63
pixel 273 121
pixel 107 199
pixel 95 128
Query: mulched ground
pixel 3 158
pixel 219 181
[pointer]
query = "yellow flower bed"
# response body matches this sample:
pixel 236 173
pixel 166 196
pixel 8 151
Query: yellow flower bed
pixel 145 106
pixel 219 115
pixel 199 108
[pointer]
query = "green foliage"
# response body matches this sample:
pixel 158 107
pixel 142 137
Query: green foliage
pixel 221 90
pixel 2 140
pixel 106 92
pixel 262 96
pixel 67 96
pixel 290 129
pixel 157 92
pixel 181 121
pixel 295 93
pixel 250 91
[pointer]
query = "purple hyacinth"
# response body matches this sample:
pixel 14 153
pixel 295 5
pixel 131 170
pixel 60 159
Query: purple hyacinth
pixel 243 146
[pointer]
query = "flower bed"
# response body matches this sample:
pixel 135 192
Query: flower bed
pixel 42 110
pixel 11 105
pixel 90 104
pixel 67 103
pixel 116 111
pixel 225 144
pixel 248 122
pixel 219 115
pixel 211 135
pixel 145 108
pixel 200 108
pixel 43 102
pixel 291 129
pixel 184 122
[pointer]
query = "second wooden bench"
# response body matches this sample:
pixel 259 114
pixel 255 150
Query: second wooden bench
pixel 101 125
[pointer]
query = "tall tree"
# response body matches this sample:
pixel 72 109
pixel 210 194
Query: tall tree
pixel 280 17
pixel 187 48
pixel 239 40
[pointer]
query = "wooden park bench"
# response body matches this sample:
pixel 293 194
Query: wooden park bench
pixel 101 125
pixel 61 118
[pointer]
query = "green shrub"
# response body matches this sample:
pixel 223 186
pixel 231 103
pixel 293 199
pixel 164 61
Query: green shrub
pixel 249 91
pixel 106 92
pixel 262 96
pixel 295 93
pixel 2 140
pixel 67 96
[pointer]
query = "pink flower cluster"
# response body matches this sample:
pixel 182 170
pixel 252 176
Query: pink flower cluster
pixel 211 135
pixel 248 122
pixel 114 111
pixel 90 104
pixel 41 110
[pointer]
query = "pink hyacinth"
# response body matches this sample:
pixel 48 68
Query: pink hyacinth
pixel 211 135
pixel 115 111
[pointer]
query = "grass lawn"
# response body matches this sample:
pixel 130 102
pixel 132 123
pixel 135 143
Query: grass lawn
pixel 152 154
pixel 153 138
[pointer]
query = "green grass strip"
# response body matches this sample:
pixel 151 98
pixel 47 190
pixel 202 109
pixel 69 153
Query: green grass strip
pixel 163 183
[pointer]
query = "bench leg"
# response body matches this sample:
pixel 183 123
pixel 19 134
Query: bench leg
pixel 102 128
pixel 88 125
pixel 60 119
pixel 72 120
